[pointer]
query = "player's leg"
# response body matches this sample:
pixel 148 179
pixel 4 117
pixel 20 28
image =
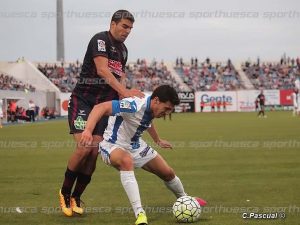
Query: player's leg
pixel 87 164
pixel 78 112
pixel 123 161
pixel 259 110
pixel 263 111
pixel 73 173
pixel 160 167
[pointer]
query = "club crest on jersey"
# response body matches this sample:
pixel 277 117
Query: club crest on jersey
pixel 124 104
pixel 101 46
pixel 127 106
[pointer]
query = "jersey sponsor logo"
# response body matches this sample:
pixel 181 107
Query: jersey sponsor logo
pixel 113 49
pixel 101 46
pixel 79 123
pixel 144 152
pixel 115 67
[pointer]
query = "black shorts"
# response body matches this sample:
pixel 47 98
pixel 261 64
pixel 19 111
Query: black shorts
pixel 78 112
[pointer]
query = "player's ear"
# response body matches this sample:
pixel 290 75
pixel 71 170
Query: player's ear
pixel 156 99
pixel 112 24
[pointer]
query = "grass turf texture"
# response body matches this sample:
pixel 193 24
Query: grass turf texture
pixel 236 161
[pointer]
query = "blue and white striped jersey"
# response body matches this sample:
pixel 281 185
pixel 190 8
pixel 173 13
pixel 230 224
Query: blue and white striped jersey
pixel 131 117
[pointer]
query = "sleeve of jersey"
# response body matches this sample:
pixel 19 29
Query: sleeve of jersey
pixel 98 45
pixel 123 106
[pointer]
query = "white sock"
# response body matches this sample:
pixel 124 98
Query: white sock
pixel 131 187
pixel 176 187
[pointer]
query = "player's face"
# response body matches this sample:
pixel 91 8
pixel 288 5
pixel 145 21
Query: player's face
pixel 161 109
pixel 121 30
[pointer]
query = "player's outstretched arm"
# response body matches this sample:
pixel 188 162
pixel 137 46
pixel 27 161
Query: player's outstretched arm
pixel 154 135
pixel 96 114
pixel 103 71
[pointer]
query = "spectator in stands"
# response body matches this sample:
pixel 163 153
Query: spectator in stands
pixel 37 112
pixel 8 82
pixel 21 114
pixel 209 76
pixel 45 113
pixel 280 75
pixel 12 110
pixel 31 111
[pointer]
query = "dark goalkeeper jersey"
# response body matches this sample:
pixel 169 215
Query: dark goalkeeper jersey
pixel 90 85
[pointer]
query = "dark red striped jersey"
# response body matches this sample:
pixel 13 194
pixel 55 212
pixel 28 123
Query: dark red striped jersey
pixel 90 85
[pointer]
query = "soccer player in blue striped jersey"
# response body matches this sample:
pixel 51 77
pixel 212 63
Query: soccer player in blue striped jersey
pixel 123 147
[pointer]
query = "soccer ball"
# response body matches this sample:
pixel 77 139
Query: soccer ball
pixel 186 209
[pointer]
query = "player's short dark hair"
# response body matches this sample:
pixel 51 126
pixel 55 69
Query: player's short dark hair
pixel 166 93
pixel 122 14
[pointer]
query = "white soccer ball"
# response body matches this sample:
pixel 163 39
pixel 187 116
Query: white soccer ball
pixel 186 209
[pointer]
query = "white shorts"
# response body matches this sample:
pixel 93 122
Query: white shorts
pixel 140 156
pixel 1 114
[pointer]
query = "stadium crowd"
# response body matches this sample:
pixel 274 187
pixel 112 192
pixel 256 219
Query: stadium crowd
pixel 147 76
pixel 208 76
pixel 8 82
pixel 63 75
pixel 276 75
pixel 140 74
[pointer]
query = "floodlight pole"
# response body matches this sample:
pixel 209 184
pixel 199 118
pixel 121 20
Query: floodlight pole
pixel 60 48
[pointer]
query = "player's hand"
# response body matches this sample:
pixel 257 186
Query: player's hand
pixel 164 144
pixel 133 93
pixel 86 138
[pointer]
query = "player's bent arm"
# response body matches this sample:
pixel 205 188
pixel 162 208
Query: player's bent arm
pixel 100 110
pixel 101 63
pixel 160 142
pixel 153 133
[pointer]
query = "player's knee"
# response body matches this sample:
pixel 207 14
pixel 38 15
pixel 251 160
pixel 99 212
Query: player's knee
pixel 94 152
pixel 84 152
pixel 169 174
pixel 126 163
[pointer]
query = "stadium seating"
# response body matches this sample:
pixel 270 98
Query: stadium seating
pixel 273 75
pixel 147 77
pixel 8 82
pixel 208 76
pixel 63 75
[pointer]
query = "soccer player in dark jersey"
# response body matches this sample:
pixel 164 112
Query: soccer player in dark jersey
pixel 261 104
pixel 100 80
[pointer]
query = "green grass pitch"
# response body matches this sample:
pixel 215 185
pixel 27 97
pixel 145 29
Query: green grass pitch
pixel 236 161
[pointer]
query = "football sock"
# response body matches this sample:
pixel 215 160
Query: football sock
pixel 70 177
pixel 176 187
pixel 131 188
pixel 82 181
